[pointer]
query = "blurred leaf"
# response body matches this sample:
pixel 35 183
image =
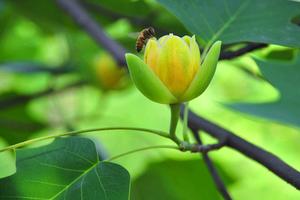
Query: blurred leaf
pixel 65 169
pixel 239 20
pixel 44 13
pixel 176 180
pixel 2 5
pixel 16 124
pixel 285 77
pixel 128 7
pixel 7 164
pixel 281 54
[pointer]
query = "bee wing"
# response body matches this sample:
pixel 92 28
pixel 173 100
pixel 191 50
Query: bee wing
pixel 133 35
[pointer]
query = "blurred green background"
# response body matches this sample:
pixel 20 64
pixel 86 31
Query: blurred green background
pixel 48 85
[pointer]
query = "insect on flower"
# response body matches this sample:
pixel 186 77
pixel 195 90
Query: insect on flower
pixel 143 37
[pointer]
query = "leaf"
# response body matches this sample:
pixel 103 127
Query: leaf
pixel 128 7
pixel 16 124
pixel 285 77
pixel 65 169
pixel 239 20
pixel 176 180
pixel 7 164
pixel 47 14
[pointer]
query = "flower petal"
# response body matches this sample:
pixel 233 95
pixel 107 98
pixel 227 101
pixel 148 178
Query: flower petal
pixel 204 74
pixel 151 53
pixel 173 66
pixel 147 82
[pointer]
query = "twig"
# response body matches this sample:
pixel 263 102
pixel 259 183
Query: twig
pixel 175 147
pixel 267 159
pixel 227 55
pixel 213 171
pixel 74 9
pixel 205 148
pixel 72 133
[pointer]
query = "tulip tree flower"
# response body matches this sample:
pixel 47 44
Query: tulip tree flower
pixel 107 74
pixel 172 71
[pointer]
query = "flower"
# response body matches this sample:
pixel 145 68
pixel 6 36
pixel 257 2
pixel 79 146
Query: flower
pixel 172 72
pixel 108 75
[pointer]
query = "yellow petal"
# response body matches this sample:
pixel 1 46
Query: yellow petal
pixel 151 53
pixel 174 64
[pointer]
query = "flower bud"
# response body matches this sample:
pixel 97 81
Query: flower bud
pixel 108 75
pixel 171 71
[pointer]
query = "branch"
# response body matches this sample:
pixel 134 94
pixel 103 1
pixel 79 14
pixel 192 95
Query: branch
pixel 29 67
pixel 203 148
pixel 213 171
pixel 228 55
pixel 74 9
pixel 267 159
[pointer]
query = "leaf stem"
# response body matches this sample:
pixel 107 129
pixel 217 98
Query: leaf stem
pixel 185 122
pixel 175 113
pixel 143 149
pixel 156 132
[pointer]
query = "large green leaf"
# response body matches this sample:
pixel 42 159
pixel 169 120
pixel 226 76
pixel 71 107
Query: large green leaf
pixel 268 21
pixel 176 180
pixel 125 7
pixel 7 164
pixel 65 169
pixel 285 76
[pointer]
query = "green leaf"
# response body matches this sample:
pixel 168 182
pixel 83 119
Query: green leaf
pixel 239 20
pixel 285 77
pixel 16 123
pixel 147 82
pixel 65 169
pixel 129 7
pixel 47 14
pixel 177 180
pixel 7 164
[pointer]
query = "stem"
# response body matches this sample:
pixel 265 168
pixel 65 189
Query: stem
pixel 175 113
pixel 160 133
pixel 143 149
pixel 185 122
pixel 221 187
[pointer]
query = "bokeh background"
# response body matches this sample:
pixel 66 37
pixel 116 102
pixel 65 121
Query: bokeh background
pixel 49 84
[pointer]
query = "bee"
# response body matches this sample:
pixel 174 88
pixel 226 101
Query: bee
pixel 143 37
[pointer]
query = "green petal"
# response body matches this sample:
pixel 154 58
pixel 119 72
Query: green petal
pixel 204 74
pixel 147 82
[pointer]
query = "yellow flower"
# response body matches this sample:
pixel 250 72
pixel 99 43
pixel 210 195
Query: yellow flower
pixel 172 72
pixel 108 74
pixel 174 60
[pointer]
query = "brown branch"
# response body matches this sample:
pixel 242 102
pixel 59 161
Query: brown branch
pixel 265 158
pixel 228 55
pixel 211 168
